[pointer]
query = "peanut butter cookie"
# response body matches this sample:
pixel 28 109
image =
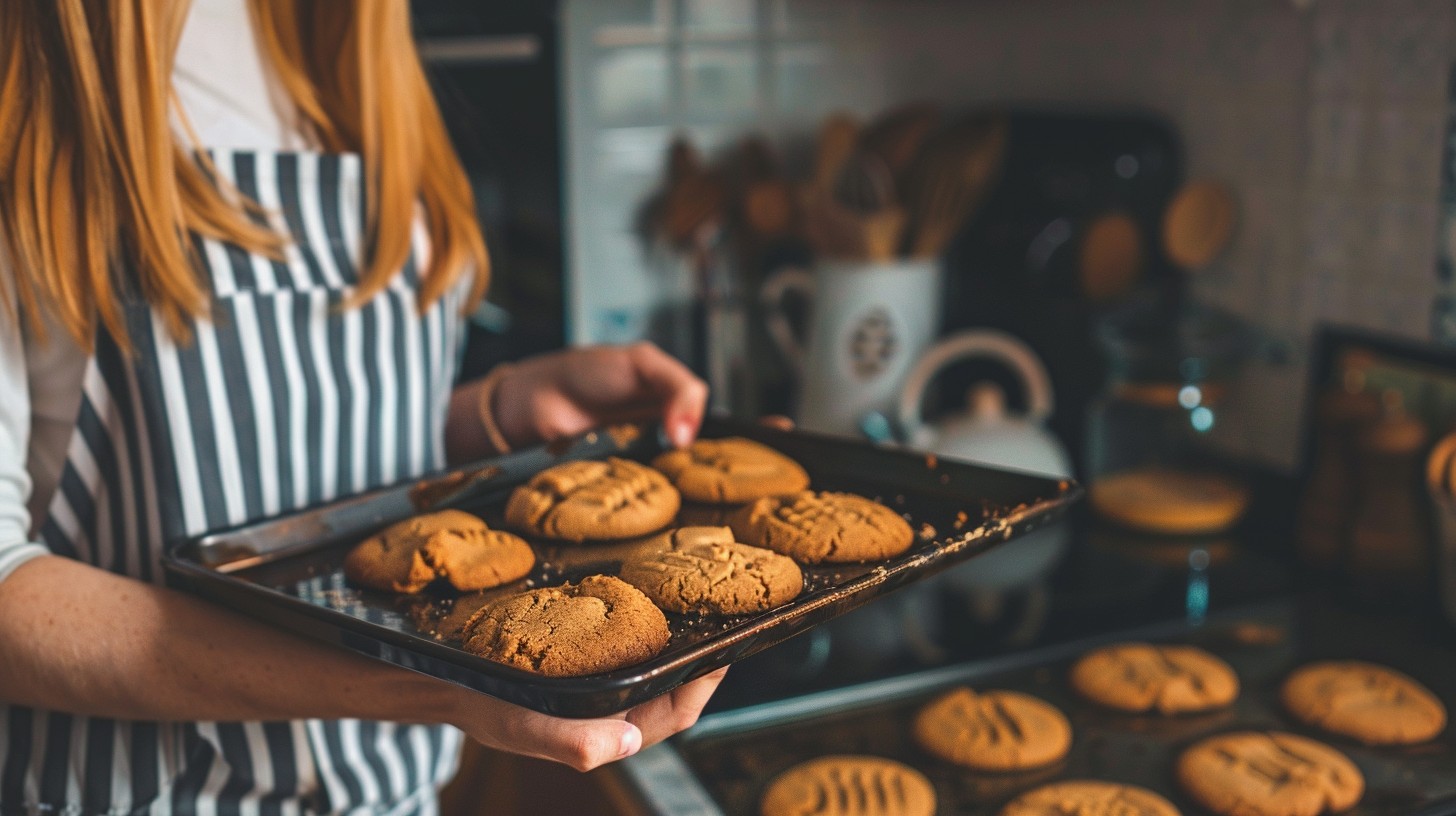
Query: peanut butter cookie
pixel 702 569
pixel 1089 798
pixel 1371 703
pixel 593 501
pixel 731 471
pixel 449 544
pixel 1256 773
pixel 598 625
pixel 814 528
pixel 1159 500
pixel 1140 677
pixel 849 786
pixel 993 730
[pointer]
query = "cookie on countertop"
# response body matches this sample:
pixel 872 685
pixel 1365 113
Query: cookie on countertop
pixel 993 730
pixel 833 528
pixel 600 624
pixel 733 470
pixel 1365 701
pixel 849 786
pixel 593 501
pixel 410 555
pixel 1089 798
pixel 1175 502
pixel 702 569
pixel 1140 677
pixel 1258 773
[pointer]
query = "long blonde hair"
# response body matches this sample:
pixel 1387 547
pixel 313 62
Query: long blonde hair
pixel 92 177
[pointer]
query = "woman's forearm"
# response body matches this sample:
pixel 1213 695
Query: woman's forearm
pixel 79 639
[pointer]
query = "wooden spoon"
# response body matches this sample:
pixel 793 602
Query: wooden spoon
pixel 952 177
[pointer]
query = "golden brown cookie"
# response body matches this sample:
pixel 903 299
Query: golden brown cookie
pixel 1258 773
pixel 600 624
pixel 1371 703
pixel 993 730
pixel 1175 502
pixel 731 471
pixel 833 528
pixel 1142 677
pixel 1089 798
pixel 594 501
pixel 450 544
pixel 849 786
pixel 702 569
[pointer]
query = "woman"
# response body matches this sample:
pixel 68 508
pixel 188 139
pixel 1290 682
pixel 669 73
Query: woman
pixel 236 250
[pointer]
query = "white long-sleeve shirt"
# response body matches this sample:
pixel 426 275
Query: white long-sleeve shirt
pixel 231 101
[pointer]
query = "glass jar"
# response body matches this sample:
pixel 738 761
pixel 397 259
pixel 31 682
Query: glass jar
pixel 1170 368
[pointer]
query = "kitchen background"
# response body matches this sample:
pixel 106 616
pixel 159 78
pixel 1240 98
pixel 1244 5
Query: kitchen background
pixel 1331 122
pixel 1327 120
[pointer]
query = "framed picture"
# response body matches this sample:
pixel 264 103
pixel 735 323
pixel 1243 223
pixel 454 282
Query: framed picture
pixel 1416 377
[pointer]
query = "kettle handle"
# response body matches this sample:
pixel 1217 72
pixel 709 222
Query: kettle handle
pixel 771 295
pixel 997 345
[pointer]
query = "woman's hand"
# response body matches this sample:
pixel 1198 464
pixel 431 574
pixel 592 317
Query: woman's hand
pixel 568 392
pixel 583 744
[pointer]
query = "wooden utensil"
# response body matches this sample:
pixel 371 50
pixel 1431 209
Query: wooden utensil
pixel 1198 223
pixel 692 204
pixel 897 135
pixel 683 162
pixel 865 184
pixel 951 178
pixel 838 136
pixel 1110 259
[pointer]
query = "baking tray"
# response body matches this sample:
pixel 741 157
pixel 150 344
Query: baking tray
pixel 288 571
pixel 723 765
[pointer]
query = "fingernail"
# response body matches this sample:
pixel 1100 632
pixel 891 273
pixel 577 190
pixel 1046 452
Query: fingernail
pixel 631 741
pixel 682 433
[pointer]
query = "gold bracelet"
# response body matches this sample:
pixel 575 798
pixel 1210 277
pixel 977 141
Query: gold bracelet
pixel 487 407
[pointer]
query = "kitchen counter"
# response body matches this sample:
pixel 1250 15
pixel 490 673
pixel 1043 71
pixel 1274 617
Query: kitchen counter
pixel 1112 585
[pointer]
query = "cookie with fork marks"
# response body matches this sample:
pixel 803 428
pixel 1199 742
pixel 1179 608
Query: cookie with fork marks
pixel 849 786
pixel 1257 773
pixel 592 500
pixel 1142 677
pixel 993 730
pixel 702 569
pixel 448 545
pixel 1089 798
pixel 823 528
pixel 1368 702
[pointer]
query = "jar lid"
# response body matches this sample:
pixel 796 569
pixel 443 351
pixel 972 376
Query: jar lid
pixel 1154 341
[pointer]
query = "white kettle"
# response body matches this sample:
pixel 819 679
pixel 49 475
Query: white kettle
pixel 986 433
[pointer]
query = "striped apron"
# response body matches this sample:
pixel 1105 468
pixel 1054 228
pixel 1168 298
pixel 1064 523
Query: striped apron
pixel 281 401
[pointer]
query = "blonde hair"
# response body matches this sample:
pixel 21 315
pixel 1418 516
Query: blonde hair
pixel 92 177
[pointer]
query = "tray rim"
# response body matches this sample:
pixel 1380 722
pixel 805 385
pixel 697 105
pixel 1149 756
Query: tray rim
pixel 421 653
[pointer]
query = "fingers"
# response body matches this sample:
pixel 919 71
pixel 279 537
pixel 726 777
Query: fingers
pixel 581 744
pixel 683 396
pixel 675 711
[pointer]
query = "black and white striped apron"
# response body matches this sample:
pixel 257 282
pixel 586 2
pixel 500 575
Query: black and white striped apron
pixel 282 400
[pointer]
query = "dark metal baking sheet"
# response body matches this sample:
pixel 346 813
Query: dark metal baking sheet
pixel 288 571
pixel 724 764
